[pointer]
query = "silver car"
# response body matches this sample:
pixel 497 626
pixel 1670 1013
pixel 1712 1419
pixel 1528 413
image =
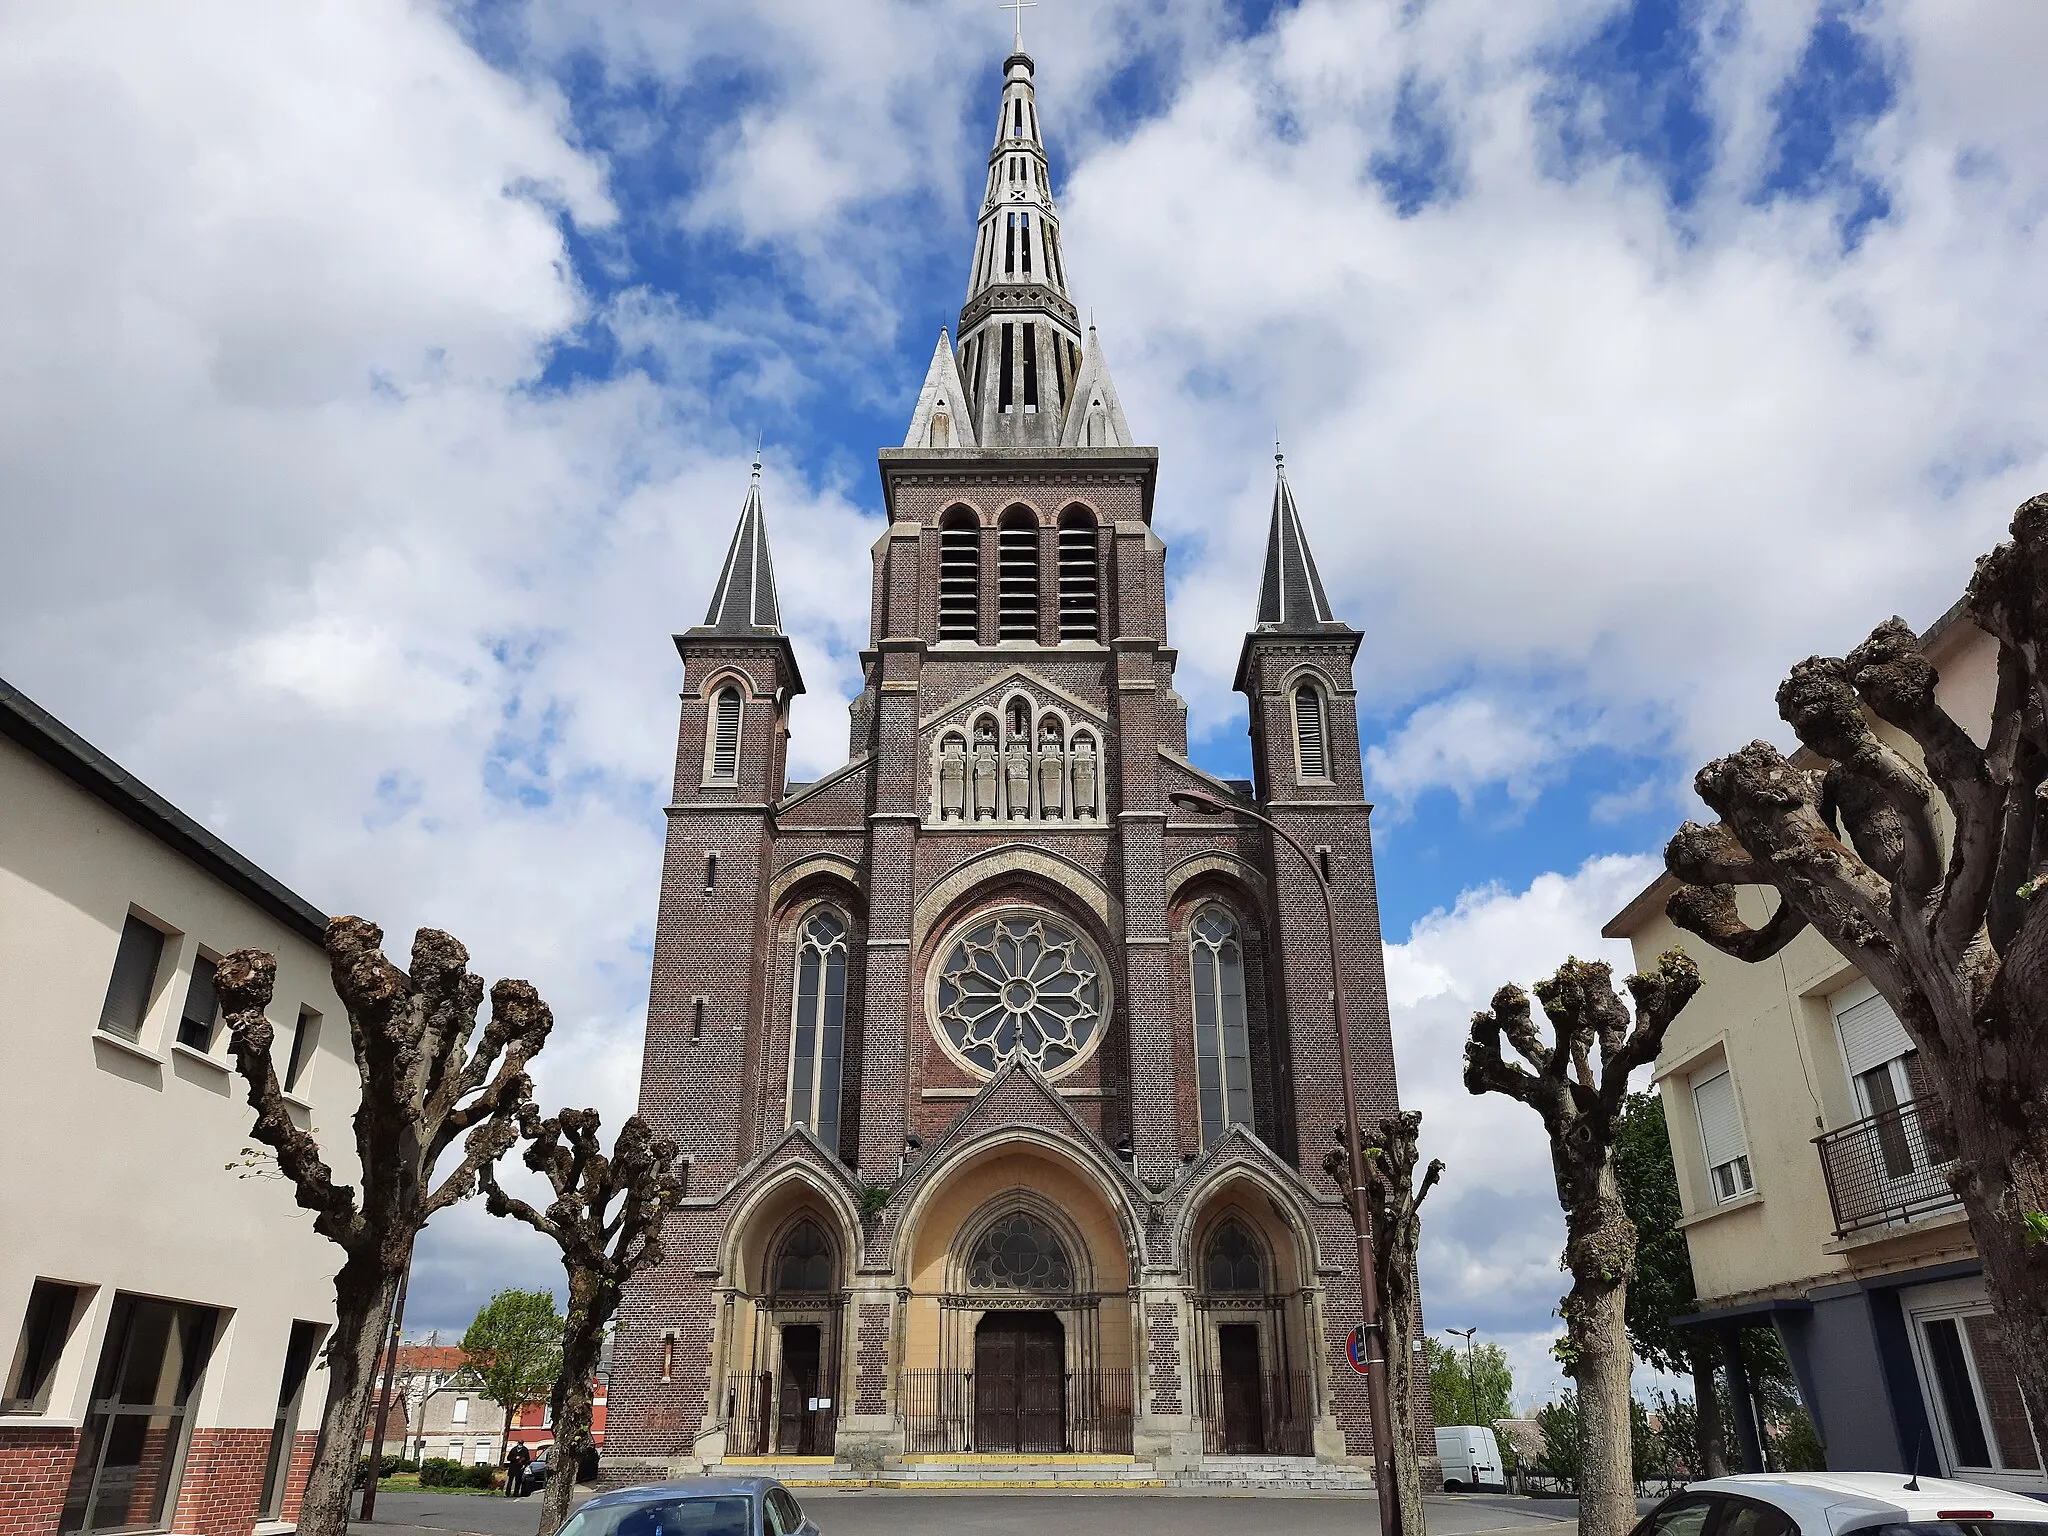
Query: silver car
pixel 1837 1503
pixel 698 1506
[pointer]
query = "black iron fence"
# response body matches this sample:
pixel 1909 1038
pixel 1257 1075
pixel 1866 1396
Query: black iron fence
pixel 761 1420
pixel 1884 1168
pixel 1253 1413
pixel 1085 1413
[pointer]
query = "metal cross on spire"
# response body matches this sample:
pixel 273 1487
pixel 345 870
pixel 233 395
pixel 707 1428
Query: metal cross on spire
pixel 1020 7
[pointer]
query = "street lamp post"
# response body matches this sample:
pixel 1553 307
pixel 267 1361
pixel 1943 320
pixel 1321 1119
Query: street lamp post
pixel 1378 1407
pixel 1471 1373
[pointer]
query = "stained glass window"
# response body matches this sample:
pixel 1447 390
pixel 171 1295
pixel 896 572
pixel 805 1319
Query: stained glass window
pixel 1019 1253
pixel 1223 1055
pixel 1021 984
pixel 1233 1262
pixel 805 1263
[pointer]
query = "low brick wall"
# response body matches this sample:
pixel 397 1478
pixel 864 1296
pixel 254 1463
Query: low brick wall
pixel 35 1466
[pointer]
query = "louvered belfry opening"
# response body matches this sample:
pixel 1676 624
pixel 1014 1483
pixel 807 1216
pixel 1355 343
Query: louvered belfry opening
pixel 1017 576
pixel 960 576
pixel 1080 595
pixel 1312 755
pixel 725 740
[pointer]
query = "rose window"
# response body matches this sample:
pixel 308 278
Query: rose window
pixel 1020 984
pixel 1019 1253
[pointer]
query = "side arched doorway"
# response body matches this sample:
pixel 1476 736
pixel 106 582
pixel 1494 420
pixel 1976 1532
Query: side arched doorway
pixel 1256 1391
pixel 783 1401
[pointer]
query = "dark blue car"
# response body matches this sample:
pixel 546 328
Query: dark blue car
pixel 697 1506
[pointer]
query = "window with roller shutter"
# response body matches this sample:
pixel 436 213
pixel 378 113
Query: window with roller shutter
pixel 1721 1135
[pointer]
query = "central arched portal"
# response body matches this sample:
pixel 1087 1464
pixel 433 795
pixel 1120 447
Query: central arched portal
pixel 1020 1383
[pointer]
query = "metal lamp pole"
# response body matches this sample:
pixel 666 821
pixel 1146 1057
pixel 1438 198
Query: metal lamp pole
pixel 1378 1407
pixel 1471 1375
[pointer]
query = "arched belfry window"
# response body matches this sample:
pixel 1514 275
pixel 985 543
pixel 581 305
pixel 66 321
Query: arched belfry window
pixel 722 746
pixel 1311 734
pixel 1080 601
pixel 1017 576
pixel 818 1031
pixel 804 1262
pixel 1233 1264
pixel 1019 1252
pixel 960 576
pixel 1223 1058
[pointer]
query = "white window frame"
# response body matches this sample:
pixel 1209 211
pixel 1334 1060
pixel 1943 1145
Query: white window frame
pixel 1741 1180
pixel 1957 1300
pixel 1852 996
pixel 458 1411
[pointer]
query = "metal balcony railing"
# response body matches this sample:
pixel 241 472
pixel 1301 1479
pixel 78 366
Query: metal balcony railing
pixel 1884 1169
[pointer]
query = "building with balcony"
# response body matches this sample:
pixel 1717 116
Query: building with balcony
pixel 161 1303
pixel 1814 1192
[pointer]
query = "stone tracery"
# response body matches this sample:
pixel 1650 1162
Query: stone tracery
pixel 1025 764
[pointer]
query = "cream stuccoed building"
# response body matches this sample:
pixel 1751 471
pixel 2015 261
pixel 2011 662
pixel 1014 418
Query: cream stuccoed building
pixel 160 1313
pixel 1814 1195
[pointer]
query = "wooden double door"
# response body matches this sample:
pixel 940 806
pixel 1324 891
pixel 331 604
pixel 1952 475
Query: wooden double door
pixel 797 1420
pixel 1020 1383
pixel 1243 1384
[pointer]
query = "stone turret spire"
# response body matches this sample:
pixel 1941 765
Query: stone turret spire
pixel 1291 597
pixel 743 603
pixel 1020 335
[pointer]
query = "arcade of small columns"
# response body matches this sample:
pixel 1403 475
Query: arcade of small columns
pixel 1221 1353
pixel 1022 763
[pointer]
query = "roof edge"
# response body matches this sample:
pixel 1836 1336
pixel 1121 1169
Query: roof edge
pixel 43 735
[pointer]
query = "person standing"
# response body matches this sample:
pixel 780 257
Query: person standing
pixel 516 1461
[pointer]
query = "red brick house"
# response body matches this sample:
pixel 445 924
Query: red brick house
pixel 1003 1081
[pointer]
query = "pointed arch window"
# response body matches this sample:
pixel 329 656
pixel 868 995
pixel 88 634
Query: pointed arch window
pixel 1311 734
pixel 1019 1252
pixel 960 576
pixel 1080 611
pixel 818 1032
pixel 1234 1263
pixel 804 1263
pixel 1223 1058
pixel 722 743
pixel 1017 575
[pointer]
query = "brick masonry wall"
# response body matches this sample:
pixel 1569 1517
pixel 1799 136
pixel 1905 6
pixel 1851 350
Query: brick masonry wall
pixel 303 1445
pixel 222 1489
pixel 35 1467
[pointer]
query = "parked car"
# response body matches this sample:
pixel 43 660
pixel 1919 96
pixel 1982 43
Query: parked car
pixel 1837 1503
pixel 1471 1458
pixel 535 1477
pixel 701 1506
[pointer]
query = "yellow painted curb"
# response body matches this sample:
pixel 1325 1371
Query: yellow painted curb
pixel 778 1461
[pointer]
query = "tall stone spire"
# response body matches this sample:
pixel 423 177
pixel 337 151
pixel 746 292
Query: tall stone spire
pixel 1291 597
pixel 1020 335
pixel 743 603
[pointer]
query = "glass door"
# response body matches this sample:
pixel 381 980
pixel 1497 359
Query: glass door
pixel 298 1360
pixel 1970 1385
pixel 133 1445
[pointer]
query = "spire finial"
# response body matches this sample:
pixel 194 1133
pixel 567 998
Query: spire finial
pixel 1020 7
pixel 1279 458
pixel 759 438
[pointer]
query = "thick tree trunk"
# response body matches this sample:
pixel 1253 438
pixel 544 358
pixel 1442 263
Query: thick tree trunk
pixel 1706 1407
pixel 582 1343
pixel 364 1292
pixel 1401 1388
pixel 1600 1250
pixel 2002 1187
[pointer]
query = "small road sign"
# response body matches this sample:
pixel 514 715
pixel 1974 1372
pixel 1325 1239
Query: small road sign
pixel 1354 1351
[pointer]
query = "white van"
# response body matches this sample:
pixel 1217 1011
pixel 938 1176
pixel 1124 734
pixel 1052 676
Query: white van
pixel 1471 1458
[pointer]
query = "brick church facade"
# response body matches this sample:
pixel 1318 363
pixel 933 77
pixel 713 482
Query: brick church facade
pixel 1003 1081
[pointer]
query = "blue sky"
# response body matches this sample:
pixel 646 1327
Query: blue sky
pixel 392 369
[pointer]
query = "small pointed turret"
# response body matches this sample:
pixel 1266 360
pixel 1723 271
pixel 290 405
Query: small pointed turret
pixel 1095 418
pixel 943 418
pixel 1291 597
pixel 743 602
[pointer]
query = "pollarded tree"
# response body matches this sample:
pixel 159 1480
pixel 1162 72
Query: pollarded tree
pixel 423 1087
pixel 1927 875
pixel 606 1218
pixel 1394 1199
pixel 1580 1101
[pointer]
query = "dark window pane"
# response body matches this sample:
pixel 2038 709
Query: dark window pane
pixel 1958 1401
pixel 43 1333
pixel 1743 1519
pixel 142 949
pixel 1686 1518
pixel 195 1025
